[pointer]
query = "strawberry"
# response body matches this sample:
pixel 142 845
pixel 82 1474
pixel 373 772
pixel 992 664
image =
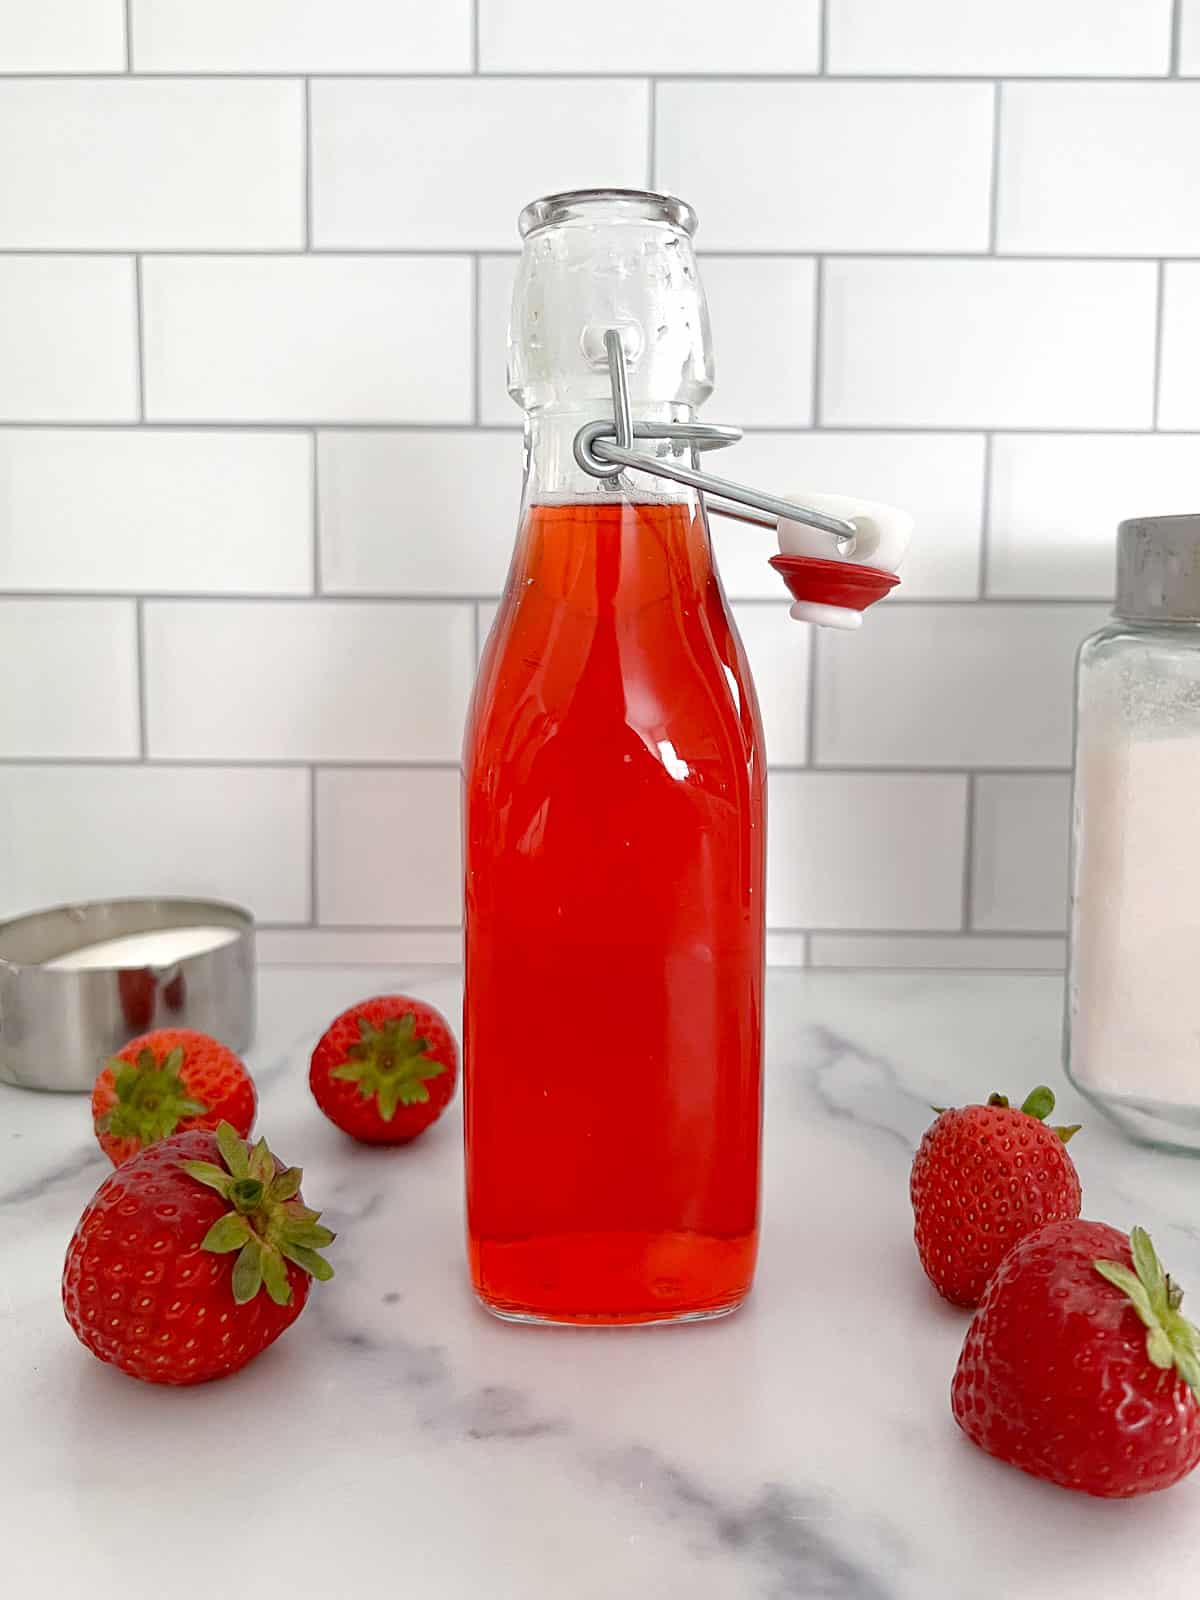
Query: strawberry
pixel 984 1177
pixel 151 1282
pixel 385 1069
pixel 165 1083
pixel 1079 1366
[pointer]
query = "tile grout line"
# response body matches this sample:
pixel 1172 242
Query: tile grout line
pixel 308 175
pixel 476 352
pixel 298 425
pixel 1176 36
pixel 823 44
pixel 279 926
pixel 885 256
pixel 128 35
pixel 457 600
pixel 475 633
pixel 242 763
pixel 140 642
pixel 652 132
pixel 630 75
pixel 985 518
pixel 140 336
pixel 1159 313
pixel 474 36
pixel 316 515
pixel 968 880
pixel 833 931
pixel 994 178
pixel 818 339
pixel 810 710
pixel 408 764
pixel 313 905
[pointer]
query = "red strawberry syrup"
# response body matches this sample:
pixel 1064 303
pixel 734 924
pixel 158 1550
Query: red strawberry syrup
pixel 614 828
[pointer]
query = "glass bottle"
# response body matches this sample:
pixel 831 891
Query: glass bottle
pixel 1133 993
pixel 614 825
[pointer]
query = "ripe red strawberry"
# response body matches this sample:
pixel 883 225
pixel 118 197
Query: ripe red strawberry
pixel 165 1083
pixel 385 1069
pixel 983 1177
pixel 1079 1366
pixel 150 1281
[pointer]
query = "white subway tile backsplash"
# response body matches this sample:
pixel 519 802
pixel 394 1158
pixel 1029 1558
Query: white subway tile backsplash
pixel 308 339
pixel 301 36
pixel 865 850
pixel 1056 501
pixel 668 36
pixel 829 166
pixel 1032 344
pixel 937 477
pixel 1100 169
pixel 1179 382
pixel 779 652
pixel 62 36
pixel 357 947
pixel 146 510
pixel 417 513
pixel 100 832
pixel 274 214
pixel 1021 852
pixel 496 406
pixel 388 848
pixel 127 164
pixel 289 680
pixel 787 949
pixel 763 330
pixel 68 339
pixel 945 951
pixel 70 684
pixel 485 615
pixel 1001 38
pixel 424 164
pixel 950 686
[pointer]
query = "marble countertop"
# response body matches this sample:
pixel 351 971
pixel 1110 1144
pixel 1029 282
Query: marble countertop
pixel 399 1440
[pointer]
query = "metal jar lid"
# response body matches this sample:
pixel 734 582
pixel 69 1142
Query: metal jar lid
pixel 1158 569
pixel 59 1024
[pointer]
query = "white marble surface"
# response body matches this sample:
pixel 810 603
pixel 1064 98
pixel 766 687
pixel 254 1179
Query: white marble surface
pixel 398 1440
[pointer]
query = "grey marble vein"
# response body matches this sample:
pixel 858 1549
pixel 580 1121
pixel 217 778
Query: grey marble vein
pixel 780 1536
pixel 398 1439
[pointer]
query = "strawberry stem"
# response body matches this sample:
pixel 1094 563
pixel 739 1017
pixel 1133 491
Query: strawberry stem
pixel 151 1098
pixel 1038 1103
pixel 268 1225
pixel 390 1065
pixel 1171 1340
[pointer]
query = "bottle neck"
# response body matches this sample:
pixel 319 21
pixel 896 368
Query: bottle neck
pixel 554 477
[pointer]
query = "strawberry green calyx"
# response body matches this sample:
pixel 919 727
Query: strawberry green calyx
pixel 390 1065
pixel 267 1225
pixel 1171 1340
pixel 151 1098
pixel 1039 1103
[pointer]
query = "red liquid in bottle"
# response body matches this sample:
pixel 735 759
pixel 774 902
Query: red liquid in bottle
pixel 614 824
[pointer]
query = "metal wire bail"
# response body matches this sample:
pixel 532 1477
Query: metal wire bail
pixel 604 447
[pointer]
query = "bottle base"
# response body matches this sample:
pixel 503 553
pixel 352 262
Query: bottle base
pixel 601 1319
pixel 613 1279
pixel 1148 1122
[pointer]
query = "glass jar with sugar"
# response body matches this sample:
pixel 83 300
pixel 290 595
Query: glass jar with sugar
pixel 1132 1037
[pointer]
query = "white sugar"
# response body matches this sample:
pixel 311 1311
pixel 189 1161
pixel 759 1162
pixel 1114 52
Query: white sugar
pixel 162 947
pixel 1135 998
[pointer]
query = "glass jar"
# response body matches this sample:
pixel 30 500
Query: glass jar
pixel 613 824
pixel 1133 992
